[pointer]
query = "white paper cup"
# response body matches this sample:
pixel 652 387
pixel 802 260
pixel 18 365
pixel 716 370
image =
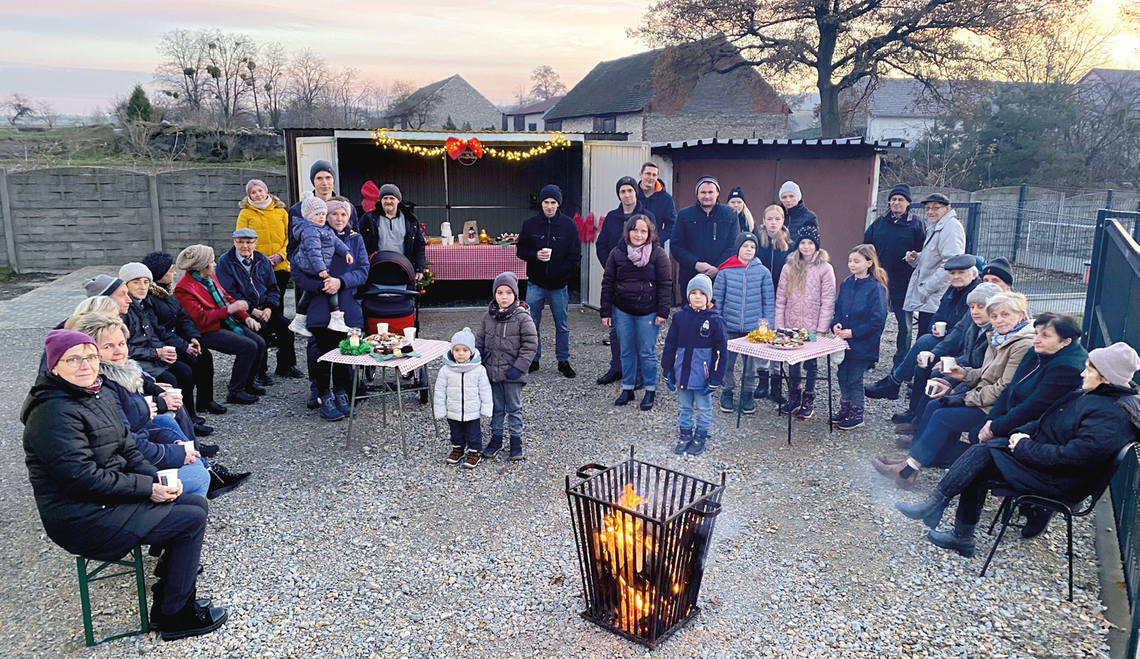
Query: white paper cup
pixel 168 477
pixel 381 328
pixel 174 391
pixel 148 399
pixel 931 387
pixel 948 363
pixel 939 329
pixel 189 445
pixel 410 334
pixel 923 359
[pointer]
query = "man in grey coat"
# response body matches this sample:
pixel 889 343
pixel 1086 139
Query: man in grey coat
pixel 945 238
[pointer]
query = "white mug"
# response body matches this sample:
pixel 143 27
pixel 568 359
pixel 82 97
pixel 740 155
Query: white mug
pixel 948 363
pixel 410 334
pixel 149 400
pixel 939 329
pixel 168 477
pixel 931 387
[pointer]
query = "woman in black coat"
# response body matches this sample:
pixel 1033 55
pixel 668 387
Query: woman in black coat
pixel 637 287
pixel 97 496
pixel 1063 455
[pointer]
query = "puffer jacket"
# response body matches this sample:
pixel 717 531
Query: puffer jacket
pixel 462 391
pixel 952 307
pixel 813 307
pixel 144 341
pixel 744 294
pixel 944 239
pixel 798 216
pixel 351 278
pixel 167 312
pixel 1039 381
pixel 92 485
pixel 696 349
pixel 997 370
pixel 155 443
pixel 506 338
pixel 271 225
pixel 637 291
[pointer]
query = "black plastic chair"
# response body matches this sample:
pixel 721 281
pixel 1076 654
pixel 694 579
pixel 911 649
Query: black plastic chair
pixel 1014 499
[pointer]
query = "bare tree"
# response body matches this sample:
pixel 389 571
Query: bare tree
pixel 1060 50
pixel 840 42
pixel 348 97
pixel 272 69
pixel 310 78
pixel 522 96
pixel 19 107
pixel 547 84
pixel 227 58
pixel 46 113
pixel 407 110
pixel 181 73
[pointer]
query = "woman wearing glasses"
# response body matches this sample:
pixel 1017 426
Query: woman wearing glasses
pixel 97 496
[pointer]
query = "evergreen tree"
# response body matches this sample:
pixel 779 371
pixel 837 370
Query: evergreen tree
pixel 138 106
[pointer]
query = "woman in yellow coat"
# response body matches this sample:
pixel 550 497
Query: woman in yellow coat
pixel 268 216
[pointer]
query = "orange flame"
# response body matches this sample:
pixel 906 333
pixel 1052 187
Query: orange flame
pixel 624 546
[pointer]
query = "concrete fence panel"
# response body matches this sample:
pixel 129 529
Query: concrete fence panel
pixel 201 205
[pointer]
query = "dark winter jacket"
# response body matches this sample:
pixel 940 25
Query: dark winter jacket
pixel 610 235
pixel 507 339
pixel 559 234
pixel 168 314
pixel 660 203
pixel 1071 446
pixel 144 342
pixel 258 285
pixel 893 237
pixel 773 257
pixel 861 307
pixel 744 295
pixel 156 444
pixel 797 217
pixel 696 349
pixel 972 345
pixel 415 243
pixel 295 217
pixel 1038 382
pixel 351 276
pixel 700 236
pixel 953 306
pixel 637 291
pixel 91 484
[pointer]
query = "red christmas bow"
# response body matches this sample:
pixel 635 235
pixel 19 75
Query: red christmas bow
pixel 371 195
pixel 586 231
pixel 455 147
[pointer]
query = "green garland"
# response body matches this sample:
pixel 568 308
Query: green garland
pixel 347 349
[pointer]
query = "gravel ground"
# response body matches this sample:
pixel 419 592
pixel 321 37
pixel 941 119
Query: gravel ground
pixel 356 553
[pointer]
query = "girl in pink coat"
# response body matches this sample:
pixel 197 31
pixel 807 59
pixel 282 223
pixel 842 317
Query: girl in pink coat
pixel 805 299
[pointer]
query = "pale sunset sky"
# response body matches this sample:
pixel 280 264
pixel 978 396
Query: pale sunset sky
pixel 79 53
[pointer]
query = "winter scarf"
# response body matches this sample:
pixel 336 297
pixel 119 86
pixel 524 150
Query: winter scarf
pixel 260 205
pixel 639 255
pixel 997 339
pixel 229 322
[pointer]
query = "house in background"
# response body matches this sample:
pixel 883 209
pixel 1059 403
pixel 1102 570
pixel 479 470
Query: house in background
pixel 890 109
pixel 1112 88
pixel 804 117
pixel 430 107
pixel 529 118
pixel 674 93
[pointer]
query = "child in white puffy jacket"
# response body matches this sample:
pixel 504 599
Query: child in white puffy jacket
pixel 462 395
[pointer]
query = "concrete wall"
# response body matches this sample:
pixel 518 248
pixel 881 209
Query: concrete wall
pixel 62 219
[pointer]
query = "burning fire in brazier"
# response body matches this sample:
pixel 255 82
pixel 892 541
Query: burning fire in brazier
pixel 642 534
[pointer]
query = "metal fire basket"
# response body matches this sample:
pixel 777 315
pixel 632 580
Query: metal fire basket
pixel 642 534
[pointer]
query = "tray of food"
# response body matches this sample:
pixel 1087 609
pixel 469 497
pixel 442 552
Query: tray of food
pixel 782 342
pixel 387 343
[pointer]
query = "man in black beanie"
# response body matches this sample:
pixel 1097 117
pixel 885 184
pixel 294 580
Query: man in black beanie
pixel 893 235
pixel 998 271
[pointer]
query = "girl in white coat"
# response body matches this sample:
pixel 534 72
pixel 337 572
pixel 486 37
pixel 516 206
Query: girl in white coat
pixel 462 395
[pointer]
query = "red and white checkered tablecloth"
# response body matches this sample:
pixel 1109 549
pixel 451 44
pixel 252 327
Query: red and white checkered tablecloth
pixel 429 350
pixel 474 261
pixel 821 347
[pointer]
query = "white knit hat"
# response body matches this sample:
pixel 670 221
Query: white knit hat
pixel 1117 363
pixel 791 186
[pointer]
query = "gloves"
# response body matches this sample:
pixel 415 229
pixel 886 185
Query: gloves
pixel 514 373
pixel 669 382
pixel 954 401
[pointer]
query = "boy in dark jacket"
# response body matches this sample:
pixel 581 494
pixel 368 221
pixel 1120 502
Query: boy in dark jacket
pixel 549 244
pixel 508 340
pixel 694 361
pixel 893 235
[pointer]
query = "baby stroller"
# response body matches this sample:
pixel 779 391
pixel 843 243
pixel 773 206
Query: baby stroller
pixel 390 296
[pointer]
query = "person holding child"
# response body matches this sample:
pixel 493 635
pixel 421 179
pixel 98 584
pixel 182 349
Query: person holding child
pixel 462 395
pixel 508 341
pixel 637 288
pixel 805 299
pixel 860 316
pixel 316 246
pixel 694 361
pixel 744 294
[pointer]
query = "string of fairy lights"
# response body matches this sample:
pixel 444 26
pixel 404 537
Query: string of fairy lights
pixel 386 141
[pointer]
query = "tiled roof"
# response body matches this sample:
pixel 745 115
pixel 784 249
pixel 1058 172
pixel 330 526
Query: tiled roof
pixel 535 108
pixel 618 86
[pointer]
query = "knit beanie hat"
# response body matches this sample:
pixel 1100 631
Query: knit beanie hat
pixel 1001 269
pixel 333 204
pixel 507 278
pixel 550 192
pixel 626 180
pixel 707 179
pixel 132 271
pixel 982 293
pixel 390 189
pixel 318 167
pixel 194 258
pixel 464 337
pixel 1117 363
pixel 809 232
pixel 312 206
pixel 60 341
pixel 790 186
pixel 159 263
pixel 102 285
pixel 700 283
pixel 371 195
pixel 901 189
pixel 743 237
pixel 736 193
pixel 253 183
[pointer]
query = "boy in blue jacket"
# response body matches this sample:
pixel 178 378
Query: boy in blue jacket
pixel 694 362
pixel 860 316
pixel 744 293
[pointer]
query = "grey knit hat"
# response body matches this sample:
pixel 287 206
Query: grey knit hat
pixel 390 189
pixel 134 270
pixel 102 285
pixel 464 337
pixel 700 283
pixel 194 258
pixel 1117 363
pixel 507 278
pixel 982 293
pixel 706 179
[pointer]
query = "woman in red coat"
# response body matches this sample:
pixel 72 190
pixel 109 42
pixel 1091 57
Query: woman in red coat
pixel 225 325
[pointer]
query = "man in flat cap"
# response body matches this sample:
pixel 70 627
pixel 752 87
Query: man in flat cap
pixel 247 274
pixel 945 238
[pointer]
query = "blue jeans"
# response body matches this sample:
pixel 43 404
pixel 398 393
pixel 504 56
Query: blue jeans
pixel 936 443
pixel 507 400
pixel 902 340
pixel 747 375
pixel 559 299
pixel 850 376
pixel 466 434
pixel 904 372
pixel 812 368
pixel 638 338
pixel 687 401
pixel 195 479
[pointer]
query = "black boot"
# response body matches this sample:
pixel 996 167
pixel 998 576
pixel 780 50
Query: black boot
pixel 761 387
pixel 1036 520
pixel 516 449
pixel 222 481
pixel 493 446
pixel 775 389
pixel 929 511
pixel 625 397
pixel 961 539
pixel 193 620
pixel 647 401
pixel 887 388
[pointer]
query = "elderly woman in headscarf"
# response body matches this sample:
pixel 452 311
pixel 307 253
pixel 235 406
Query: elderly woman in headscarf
pixel 225 325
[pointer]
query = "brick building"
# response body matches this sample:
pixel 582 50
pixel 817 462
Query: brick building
pixel 429 108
